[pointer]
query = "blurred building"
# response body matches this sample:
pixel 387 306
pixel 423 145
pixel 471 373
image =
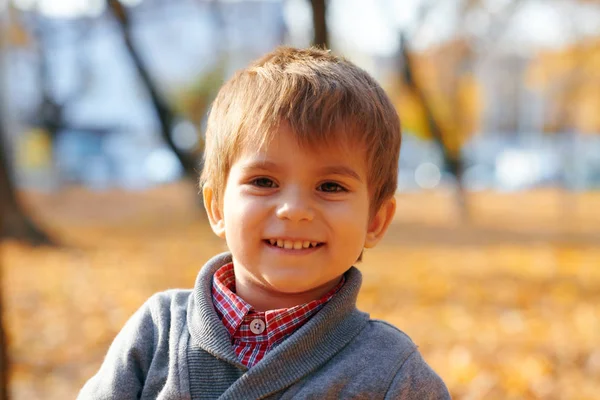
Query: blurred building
pixel 119 142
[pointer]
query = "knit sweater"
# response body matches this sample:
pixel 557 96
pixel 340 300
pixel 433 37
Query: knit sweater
pixel 175 347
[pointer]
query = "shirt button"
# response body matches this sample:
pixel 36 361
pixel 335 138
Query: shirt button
pixel 257 326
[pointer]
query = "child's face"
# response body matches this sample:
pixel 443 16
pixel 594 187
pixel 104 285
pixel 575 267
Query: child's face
pixel 296 219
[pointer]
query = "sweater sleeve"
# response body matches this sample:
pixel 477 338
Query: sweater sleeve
pixel 126 364
pixel 415 380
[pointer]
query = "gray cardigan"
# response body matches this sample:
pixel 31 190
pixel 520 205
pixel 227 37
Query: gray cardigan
pixel 175 347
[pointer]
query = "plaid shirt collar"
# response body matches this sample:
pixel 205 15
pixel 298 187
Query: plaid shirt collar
pixel 237 315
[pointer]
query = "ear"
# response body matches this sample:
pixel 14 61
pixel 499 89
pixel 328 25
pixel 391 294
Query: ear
pixel 380 222
pixel 213 210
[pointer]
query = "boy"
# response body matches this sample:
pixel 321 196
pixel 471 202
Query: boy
pixel 300 172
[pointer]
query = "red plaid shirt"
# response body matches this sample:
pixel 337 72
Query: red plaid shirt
pixel 255 333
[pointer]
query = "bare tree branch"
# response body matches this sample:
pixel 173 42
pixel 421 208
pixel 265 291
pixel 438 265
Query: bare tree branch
pixel 164 113
pixel 453 163
pixel 15 222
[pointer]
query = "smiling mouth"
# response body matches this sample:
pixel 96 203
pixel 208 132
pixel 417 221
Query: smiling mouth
pixel 293 244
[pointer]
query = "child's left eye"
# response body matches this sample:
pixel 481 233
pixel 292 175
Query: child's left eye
pixel 263 182
pixel 331 187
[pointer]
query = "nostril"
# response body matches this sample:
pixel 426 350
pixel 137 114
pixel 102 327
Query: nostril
pixel 295 212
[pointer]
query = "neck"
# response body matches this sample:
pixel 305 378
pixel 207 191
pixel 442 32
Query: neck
pixel 264 298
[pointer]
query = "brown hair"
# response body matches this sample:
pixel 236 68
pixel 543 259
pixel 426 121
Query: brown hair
pixel 324 99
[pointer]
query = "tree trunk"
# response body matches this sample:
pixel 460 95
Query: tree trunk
pixel 165 115
pixel 15 223
pixel 4 365
pixel 3 346
pixel 4 362
pixel 452 162
pixel 319 13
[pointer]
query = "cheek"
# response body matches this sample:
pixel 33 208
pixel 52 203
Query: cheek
pixel 350 219
pixel 355 211
pixel 243 212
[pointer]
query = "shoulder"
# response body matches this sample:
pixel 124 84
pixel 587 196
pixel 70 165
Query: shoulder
pixel 385 335
pixel 166 306
pixel 380 347
pixel 411 377
pixel 156 314
pixel 168 300
pixel 140 347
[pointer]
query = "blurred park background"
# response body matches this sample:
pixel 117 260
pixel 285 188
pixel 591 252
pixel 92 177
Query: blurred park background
pixel 492 265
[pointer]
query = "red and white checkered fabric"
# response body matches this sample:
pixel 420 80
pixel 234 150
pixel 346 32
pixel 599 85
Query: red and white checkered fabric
pixel 237 315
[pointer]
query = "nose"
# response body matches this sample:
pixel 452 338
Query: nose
pixel 295 206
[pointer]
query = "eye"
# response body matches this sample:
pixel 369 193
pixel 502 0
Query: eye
pixel 331 187
pixel 263 183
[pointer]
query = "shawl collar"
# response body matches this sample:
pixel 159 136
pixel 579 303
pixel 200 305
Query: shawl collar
pixel 311 346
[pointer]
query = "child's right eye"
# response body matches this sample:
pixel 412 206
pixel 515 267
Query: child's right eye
pixel 263 183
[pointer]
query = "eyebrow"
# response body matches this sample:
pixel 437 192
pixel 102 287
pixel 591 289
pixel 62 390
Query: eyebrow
pixel 262 164
pixel 340 170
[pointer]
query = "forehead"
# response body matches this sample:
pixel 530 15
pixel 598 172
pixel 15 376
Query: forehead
pixel 284 144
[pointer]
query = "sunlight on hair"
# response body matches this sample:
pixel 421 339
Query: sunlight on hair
pixel 326 100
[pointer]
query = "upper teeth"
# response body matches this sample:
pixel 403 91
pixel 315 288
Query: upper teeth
pixel 292 244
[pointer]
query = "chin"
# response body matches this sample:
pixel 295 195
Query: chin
pixel 291 287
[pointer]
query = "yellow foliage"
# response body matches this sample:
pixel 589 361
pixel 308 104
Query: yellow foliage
pixel 570 79
pixel 470 98
pixel 548 67
pixel 411 113
pixel 455 100
pixel 35 149
pixel 16 33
